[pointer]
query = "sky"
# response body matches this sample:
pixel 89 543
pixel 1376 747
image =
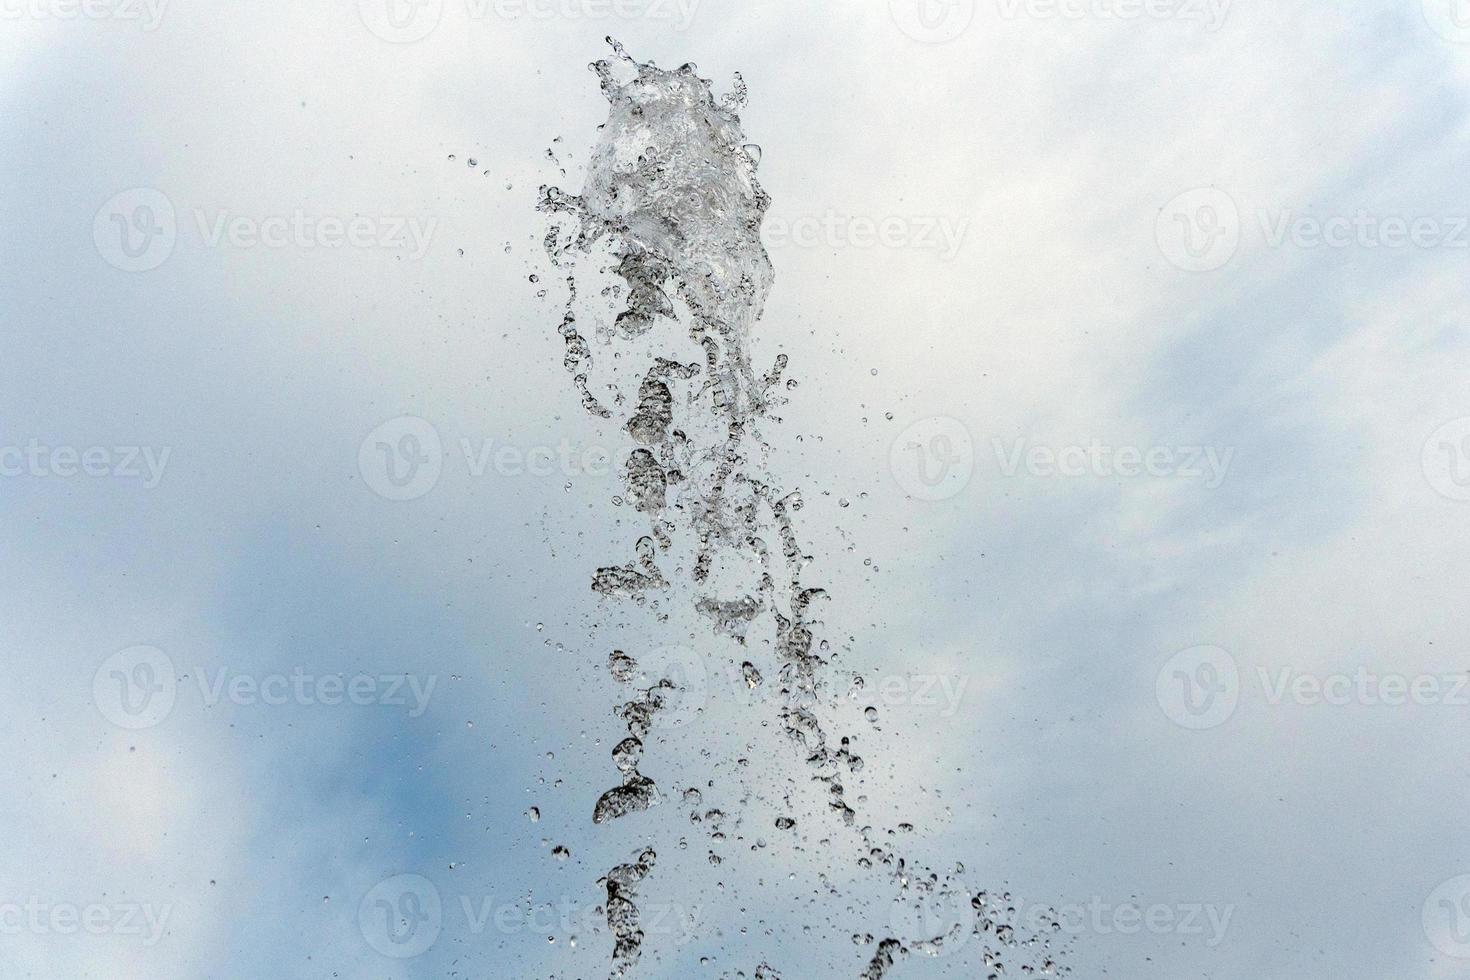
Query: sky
pixel 1131 421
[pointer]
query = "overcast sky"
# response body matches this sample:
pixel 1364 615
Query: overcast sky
pixel 1170 296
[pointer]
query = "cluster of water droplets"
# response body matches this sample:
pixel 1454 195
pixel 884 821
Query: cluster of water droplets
pixel 663 262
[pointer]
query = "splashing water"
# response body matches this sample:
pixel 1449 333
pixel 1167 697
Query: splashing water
pixel 661 254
